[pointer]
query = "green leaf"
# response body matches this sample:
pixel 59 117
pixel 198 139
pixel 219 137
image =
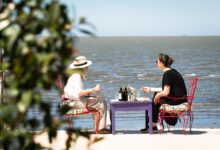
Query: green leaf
pixel 25 101
pixel 12 34
pixel 7 112
pixel 54 13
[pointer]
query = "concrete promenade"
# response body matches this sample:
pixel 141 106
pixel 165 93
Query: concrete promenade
pixel 200 139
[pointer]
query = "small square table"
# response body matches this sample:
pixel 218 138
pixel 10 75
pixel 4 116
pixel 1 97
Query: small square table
pixel 131 106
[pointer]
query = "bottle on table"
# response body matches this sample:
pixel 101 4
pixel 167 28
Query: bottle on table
pixel 125 95
pixel 120 94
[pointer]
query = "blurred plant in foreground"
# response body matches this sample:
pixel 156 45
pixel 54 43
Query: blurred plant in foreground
pixel 36 42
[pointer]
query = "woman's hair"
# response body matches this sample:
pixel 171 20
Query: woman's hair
pixel 165 59
pixel 80 71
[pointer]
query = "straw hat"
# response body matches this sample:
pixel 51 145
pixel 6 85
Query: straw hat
pixel 80 62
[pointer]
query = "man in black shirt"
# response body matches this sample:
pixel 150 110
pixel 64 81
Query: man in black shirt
pixel 174 79
pixel 173 85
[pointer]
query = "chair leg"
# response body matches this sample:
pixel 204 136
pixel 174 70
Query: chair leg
pixel 97 119
pixel 70 122
pixel 168 127
pixel 186 118
pixel 191 122
pixel 161 124
pixel 185 123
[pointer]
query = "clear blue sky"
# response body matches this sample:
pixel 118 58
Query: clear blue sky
pixel 150 17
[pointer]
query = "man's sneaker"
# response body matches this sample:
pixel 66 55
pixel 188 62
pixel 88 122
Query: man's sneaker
pixel 146 130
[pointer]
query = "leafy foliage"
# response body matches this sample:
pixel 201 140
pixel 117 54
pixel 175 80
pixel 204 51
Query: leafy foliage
pixel 37 41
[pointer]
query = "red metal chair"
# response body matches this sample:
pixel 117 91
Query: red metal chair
pixel 78 112
pixel 182 111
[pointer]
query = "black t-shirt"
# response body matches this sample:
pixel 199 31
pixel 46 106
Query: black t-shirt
pixel 175 80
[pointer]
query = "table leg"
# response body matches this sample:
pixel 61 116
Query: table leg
pixel 113 119
pixel 150 118
pixel 146 119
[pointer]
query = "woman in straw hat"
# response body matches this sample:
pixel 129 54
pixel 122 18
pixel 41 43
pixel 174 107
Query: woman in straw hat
pixel 74 89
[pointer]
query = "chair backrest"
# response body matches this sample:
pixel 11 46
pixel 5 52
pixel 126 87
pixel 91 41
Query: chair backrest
pixel 192 89
pixel 61 88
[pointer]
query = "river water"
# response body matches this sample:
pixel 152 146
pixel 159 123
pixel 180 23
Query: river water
pixel 121 61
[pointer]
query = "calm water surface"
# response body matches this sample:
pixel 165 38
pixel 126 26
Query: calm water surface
pixel 120 61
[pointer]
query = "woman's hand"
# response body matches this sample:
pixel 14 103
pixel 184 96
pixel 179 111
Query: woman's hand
pixel 157 98
pixel 146 89
pixel 97 88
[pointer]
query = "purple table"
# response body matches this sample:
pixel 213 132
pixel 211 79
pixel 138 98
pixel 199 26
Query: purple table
pixel 131 106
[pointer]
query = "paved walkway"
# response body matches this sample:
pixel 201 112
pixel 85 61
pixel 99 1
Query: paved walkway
pixel 200 139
